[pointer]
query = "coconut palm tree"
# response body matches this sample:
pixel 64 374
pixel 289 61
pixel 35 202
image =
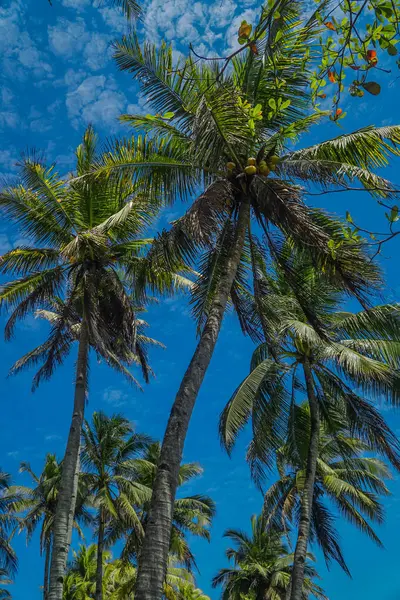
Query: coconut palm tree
pixel 109 450
pixel 346 477
pixel 223 133
pixel 8 558
pixel 120 577
pixel 341 369
pixel 192 514
pixel 262 566
pixel 85 235
pixel 37 505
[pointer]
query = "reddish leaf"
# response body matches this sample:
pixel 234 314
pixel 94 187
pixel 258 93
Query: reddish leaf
pixel 330 25
pixel 331 76
pixel 253 48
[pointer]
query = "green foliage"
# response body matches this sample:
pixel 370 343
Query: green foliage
pixel 346 478
pixel 347 352
pixel 261 566
pixel 85 251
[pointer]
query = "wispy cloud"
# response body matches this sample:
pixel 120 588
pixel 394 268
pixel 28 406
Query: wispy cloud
pixel 52 437
pixel 73 40
pixel 13 454
pixel 115 397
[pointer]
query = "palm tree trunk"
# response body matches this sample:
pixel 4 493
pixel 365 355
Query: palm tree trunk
pixel 154 553
pixel 99 567
pixel 66 503
pixel 47 557
pixel 300 553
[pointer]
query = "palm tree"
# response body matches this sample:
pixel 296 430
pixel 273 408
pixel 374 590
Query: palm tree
pixel 192 514
pixel 109 451
pixel 120 577
pixel 346 477
pixel 8 558
pixel 261 566
pixel 341 368
pixel 204 130
pixel 86 232
pixel 38 506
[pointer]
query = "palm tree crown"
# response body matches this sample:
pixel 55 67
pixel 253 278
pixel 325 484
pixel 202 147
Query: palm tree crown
pixel 261 566
pixel 346 477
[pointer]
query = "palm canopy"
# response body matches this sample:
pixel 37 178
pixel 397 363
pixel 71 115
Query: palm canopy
pixel 261 566
pixel 110 450
pixel 120 577
pixel 37 504
pixel 192 514
pixel 346 478
pixel 85 236
pixel 354 362
pixel 8 557
pixel 198 123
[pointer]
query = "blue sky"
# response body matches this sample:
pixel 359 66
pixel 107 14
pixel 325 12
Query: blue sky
pixel 56 76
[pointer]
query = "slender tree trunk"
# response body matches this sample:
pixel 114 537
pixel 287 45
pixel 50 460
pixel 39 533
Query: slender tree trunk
pixel 99 567
pixel 300 553
pixel 154 553
pixel 66 503
pixel 47 557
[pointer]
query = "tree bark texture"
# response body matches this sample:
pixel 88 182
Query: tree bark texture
pixel 62 529
pixel 154 553
pixel 300 554
pixel 99 566
pixel 47 558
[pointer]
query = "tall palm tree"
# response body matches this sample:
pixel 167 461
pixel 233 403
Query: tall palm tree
pixel 37 505
pixel 262 566
pixel 192 514
pixel 346 477
pixel 8 558
pixel 341 368
pixel 109 450
pixel 207 130
pixel 85 241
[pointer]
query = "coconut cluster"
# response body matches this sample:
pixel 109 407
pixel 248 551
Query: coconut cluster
pixel 264 167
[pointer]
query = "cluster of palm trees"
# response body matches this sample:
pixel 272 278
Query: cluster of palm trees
pixel 248 240
pixel 114 491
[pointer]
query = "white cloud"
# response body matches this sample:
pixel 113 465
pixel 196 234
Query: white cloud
pixel 9 118
pixel 6 96
pixel 96 100
pixel 97 51
pixel 17 49
pixel 67 38
pixel 204 25
pixel 13 454
pixel 115 397
pixel 114 19
pixel 72 39
pixel 7 159
pixel 52 437
pixel 40 125
pixel 76 5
